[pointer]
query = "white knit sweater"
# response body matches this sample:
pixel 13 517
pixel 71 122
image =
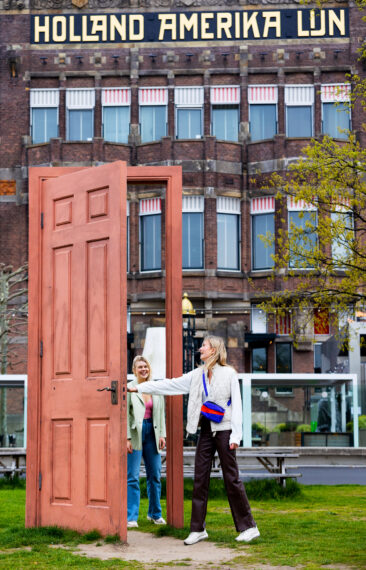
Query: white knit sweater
pixel 224 385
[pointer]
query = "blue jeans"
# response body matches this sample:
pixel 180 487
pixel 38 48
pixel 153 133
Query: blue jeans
pixel 152 462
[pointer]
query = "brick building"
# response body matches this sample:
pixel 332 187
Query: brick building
pixel 226 89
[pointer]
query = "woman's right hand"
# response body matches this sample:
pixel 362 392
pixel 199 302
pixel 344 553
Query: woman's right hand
pixel 129 446
pixel 131 388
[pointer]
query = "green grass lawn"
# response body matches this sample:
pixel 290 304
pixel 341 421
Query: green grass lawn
pixel 320 526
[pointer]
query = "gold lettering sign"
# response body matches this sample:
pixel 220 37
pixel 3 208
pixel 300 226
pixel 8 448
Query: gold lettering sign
pixel 250 25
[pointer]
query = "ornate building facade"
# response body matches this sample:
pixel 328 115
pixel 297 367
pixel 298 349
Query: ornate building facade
pixel 230 90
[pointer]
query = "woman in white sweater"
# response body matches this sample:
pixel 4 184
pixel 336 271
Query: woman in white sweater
pixel 214 382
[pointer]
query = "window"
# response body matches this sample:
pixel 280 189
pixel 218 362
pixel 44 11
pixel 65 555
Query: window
pixel 342 227
pixel 150 234
pixel 225 122
pixel 116 114
pixel 189 123
pixel 262 211
pixel 299 101
pixel 80 114
pixel 299 121
pixel 335 110
pixel 262 101
pixel 153 113
pixel 44 105
pixel 225 112
pixel 259 320
pixel 228 233
pixel 284 323
pixel 189 112
pixel 263 122
pixel 192 232
pixel 321 321
pixel 259 359
pixel 302 222
pixel 283 358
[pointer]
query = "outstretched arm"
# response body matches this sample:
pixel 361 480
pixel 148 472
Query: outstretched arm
pixel 166 387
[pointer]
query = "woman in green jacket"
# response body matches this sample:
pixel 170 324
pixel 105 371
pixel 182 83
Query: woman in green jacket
pixel 145 438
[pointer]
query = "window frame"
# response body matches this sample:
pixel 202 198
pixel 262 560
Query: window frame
pixel 190 108
pixel 282 344
pixel 254 348
pixel 251 105
pixel 341 136
pixel 45 108
pixel 311 107
pixel 304 211
pixel 202 242
pixel 152 108
pixel 69 121
pixel 253 241
pixel 141 241
pixel 225 106
pixel 104 108
pixel 238 228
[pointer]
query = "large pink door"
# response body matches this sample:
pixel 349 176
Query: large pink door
pixel 81 321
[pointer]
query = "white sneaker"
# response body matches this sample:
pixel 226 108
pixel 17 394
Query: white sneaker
pixel 248 535
pixel 194 537
pixel 132 524
pixel 160 520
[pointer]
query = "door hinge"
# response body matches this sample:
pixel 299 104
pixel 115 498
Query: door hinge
pixel 41 349
pixel 42 224
pixel 39 481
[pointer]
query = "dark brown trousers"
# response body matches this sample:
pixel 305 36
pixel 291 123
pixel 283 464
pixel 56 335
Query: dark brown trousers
pixel 239 504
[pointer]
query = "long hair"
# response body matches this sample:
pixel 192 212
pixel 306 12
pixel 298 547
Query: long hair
pixel 137 359
pixel 220 354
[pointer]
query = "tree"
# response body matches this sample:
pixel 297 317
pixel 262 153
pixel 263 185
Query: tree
pixel 320 254
pixel 13 324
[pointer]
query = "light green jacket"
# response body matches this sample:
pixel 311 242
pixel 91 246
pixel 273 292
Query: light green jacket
pixel 135 416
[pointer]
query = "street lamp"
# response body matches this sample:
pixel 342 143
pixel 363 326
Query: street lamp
pixel 189 331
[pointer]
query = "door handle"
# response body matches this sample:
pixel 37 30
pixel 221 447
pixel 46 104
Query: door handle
pixel 113 389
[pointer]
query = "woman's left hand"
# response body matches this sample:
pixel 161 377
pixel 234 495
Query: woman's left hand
pixel 162 443
pixel 234 446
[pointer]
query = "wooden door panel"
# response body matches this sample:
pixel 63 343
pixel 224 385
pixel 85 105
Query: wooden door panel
pixel 83 308
pixel 61 460
pixel 97 308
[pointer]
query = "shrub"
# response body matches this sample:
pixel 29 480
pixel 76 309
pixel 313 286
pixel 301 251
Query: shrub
pixel 288 426
pixel 303 428
pixel 361 423
pixel 259 428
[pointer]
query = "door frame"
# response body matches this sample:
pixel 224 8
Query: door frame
pixel 171 177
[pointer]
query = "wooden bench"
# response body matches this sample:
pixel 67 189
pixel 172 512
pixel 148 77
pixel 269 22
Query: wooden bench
pixel 12 461
pixel 273 462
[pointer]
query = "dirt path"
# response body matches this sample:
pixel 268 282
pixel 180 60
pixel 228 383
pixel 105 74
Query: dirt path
pixel 149 549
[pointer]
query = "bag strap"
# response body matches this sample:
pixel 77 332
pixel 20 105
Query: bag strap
pixel 205 387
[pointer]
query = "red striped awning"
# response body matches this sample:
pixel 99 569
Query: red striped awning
pixel 335 92
pixel 150 206
pixel 262 94
pixel 262 205
pixel 153 96
pixel 225 95
pixel 116 97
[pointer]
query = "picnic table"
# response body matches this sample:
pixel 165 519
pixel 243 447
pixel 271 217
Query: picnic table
pixel 12 460
pixel 273 462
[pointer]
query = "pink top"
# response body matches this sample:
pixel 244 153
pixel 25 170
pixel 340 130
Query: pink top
pixel 148 410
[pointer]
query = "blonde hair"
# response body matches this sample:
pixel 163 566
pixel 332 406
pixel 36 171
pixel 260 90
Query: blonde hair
pixel 141 358
pixel 220 354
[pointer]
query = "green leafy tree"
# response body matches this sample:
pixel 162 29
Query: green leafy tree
pixel 320 253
